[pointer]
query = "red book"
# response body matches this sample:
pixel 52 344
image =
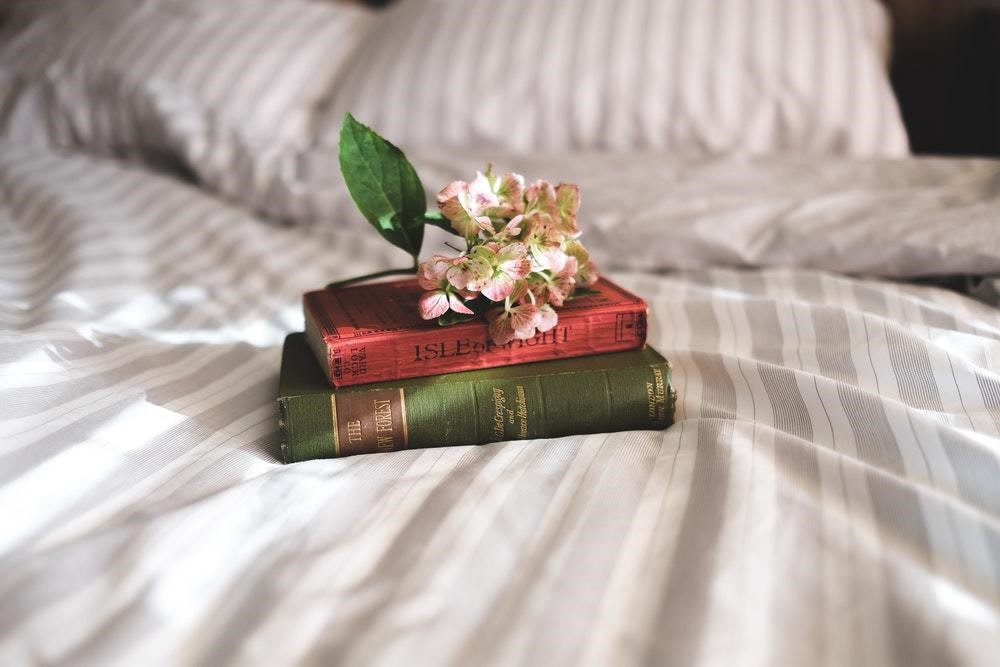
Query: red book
pixel 374 333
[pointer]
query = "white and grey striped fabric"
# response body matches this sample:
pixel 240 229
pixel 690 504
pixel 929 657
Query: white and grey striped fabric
pixel 829 495
pixel 690 76
pixel 221 89
pixel 240 94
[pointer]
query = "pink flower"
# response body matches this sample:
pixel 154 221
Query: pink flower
pixel 436 303
pixel 467 205
pixel 441 296
pixel 557 287
pixel 544 243
pixel 556 206
pixel 432 271
pixel 540 202
pixel 586 272
pixel 522 251
pixel 567 202
pixel 517 322
pixel 512 229
pixel 508 264
pixel 472 207
pixel 509 190
pixel 470 272
pixel 547 318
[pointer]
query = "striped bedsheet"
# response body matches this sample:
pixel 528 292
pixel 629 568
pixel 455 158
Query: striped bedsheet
pixel 830 493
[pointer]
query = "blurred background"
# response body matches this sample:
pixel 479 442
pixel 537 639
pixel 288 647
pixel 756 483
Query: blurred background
pixel 946 71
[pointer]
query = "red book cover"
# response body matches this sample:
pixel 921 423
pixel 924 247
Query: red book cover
pixel 374 333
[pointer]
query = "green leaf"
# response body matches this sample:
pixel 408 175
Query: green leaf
pixel 581 292
pixel 383 184
pixel 435 218
pixel 451 317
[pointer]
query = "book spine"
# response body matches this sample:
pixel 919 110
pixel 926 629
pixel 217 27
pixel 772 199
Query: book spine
pixel 468 347
pixel 396 416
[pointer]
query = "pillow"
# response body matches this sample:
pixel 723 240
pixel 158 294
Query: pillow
pixel 691 76
pixel 171 77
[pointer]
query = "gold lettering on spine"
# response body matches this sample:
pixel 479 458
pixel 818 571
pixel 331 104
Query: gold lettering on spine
pixel 659 395
pixel 370 420
pixel 382 412
pixel 382 409
pixel 499 410
pixel 354 431
pixel 522 412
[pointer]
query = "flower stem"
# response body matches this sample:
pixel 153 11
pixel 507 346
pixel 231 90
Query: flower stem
pixel 378 274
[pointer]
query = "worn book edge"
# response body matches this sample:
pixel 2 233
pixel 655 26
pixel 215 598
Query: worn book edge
pixel 458 418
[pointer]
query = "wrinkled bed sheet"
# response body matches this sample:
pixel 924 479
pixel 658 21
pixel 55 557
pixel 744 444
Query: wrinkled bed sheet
pixel 830 493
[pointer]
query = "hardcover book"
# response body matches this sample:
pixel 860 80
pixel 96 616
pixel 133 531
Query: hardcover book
pixel 609 392
pixel 374 333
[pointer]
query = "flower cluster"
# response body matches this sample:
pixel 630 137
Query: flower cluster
pixel 522 256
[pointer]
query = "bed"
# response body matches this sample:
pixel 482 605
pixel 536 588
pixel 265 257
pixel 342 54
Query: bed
pixel 829 493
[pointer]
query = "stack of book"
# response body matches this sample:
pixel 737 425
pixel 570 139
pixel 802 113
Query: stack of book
pixel 368 375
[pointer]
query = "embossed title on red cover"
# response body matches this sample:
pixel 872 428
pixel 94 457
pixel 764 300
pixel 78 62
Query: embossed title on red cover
pixel 374 333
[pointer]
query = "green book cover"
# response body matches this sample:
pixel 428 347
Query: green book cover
pixel 608 392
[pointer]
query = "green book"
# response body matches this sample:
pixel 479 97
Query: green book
pixel 620 391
